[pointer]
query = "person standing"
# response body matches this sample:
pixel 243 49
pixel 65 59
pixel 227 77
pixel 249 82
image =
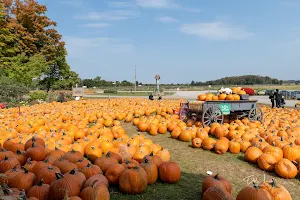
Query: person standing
pixel 272 98
pixel 277 96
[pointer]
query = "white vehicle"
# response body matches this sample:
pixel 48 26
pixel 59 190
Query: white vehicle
pixel 298 96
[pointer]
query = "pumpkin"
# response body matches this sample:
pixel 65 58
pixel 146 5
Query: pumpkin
pixel 151 169
pixel 10 174
pixel 47 174
pixel 90 170
pixel 164 155
pixel 39 191
pixel 216 181
pixel 36 152
pixel 73 156
pixel 23 180
pixel 94 192
pixel 291 152
pixel 216 193
pixel 277 191
pixel 8 163
pixel 196 143
pixel 105 161
pixel 221 146
pixel 30 164
pixel 133 180
pixel 276 152
pixel 113 173
pixel 77 177
pixel 156 159
pixel 63 186
pixel 56 153
pixel 208 143
pixel 39 165
pixel 266 162
pixel 286 169
pixel 20 155
pixel 253 192
pixel 169 172
pixel 35 140
pixel 252 154
pixel 234 147
pixel 82 163
pixel 64 165
pixel 101 180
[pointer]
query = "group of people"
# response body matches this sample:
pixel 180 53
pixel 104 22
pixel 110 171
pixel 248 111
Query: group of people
pixel 152 98
pixel 278 98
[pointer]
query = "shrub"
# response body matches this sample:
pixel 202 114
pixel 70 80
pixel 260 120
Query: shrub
pixel 110 91
pixel 38 95
pixel 249 91
pixel 10 90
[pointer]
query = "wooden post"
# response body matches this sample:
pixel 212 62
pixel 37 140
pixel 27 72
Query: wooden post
pixel 19 106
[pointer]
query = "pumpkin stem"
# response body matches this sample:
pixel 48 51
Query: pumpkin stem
pixel 73 171
pixel 93 184
pixel 152 153
pixel 146 160
pixel 33 144
pixel 255 185
pixel 29 161
pixel 5 158
pixel 274 183
pixel 88 165
pixel 59 175
pixel 46 160
pixel 25 170
pixel 40 183
pixel 108 154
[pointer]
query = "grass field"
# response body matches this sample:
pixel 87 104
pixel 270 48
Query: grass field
pixel 194 164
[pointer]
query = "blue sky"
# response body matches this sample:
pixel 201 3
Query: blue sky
pixel 182 40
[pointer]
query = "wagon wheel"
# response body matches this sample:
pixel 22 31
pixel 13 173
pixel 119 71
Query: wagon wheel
pixel 211 115
pixel 255 114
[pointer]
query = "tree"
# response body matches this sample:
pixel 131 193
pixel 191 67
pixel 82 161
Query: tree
pixel 8 44
pixel 24 69
pixel 36 34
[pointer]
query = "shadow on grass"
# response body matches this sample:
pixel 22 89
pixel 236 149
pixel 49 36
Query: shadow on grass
pixel 189 187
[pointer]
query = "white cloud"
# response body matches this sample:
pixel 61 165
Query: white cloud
pixel 167 4
pixel 167 19
pixel 110 15
pixel 91 47
pixel 121 4
pixel 216 31
pixel 95 25
pixel 156 3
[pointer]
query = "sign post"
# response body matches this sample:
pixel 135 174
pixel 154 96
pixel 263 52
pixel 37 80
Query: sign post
pixel 78 92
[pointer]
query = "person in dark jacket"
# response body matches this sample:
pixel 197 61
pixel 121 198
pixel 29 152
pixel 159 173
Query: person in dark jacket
pixel 277 96
pixel 151 97
pixel 159 98
pixel 272 98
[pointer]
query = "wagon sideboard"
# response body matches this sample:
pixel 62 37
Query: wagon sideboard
pixel 242 105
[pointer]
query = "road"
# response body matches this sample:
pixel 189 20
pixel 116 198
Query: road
pixel 192 95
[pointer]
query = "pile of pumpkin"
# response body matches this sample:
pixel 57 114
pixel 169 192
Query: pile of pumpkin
pixel 216 187
pixel 40 173
pixel 232 95
pixel 274 144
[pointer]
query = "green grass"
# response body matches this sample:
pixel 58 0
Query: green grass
pixel 194 164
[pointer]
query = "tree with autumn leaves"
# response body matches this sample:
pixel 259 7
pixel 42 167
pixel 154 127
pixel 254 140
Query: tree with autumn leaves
pixel 30 46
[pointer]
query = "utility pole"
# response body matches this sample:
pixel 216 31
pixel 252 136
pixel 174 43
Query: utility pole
pixel 135 78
